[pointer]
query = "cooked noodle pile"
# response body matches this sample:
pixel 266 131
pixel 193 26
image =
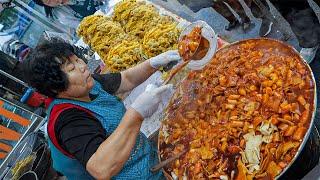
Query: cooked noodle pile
pixel 136 29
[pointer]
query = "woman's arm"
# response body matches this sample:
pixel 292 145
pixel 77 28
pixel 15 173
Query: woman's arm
pixel 134 76
pixel 113 153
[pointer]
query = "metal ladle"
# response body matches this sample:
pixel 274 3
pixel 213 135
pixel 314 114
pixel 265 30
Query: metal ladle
pixel 167 161
pixel 198 54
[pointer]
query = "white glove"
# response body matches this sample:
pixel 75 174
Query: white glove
pixel 147 102
pixel 164 58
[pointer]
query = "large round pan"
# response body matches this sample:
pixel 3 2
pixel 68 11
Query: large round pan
pixel 280 47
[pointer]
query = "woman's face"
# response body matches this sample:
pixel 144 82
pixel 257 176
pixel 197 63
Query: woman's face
pixel 54 3
pixel 79 77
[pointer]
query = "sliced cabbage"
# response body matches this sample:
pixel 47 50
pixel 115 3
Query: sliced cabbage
pixel 252 151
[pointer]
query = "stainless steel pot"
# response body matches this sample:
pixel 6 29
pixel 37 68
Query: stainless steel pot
pixel 288 49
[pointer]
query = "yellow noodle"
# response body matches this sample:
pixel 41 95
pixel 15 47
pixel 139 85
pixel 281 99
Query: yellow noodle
pixel 135 27
pixel 124 55
pixel 142 18
pixel 161 38
pixel 123 10
pixel 86 22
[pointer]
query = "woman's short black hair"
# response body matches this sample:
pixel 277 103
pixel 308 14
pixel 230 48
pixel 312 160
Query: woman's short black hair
pixel 42 67
pixel 47 9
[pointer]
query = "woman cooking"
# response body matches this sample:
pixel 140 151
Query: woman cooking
pixel 91 134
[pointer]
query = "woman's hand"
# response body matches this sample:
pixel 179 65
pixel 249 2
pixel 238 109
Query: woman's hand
pixel 164 59
pixel 113 153
pixel 134 76
pixel 147 102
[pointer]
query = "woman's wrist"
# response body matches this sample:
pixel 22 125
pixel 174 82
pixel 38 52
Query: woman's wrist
pixel 134 114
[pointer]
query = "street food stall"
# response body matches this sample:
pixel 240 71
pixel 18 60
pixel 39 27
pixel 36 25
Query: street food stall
pixel 242 107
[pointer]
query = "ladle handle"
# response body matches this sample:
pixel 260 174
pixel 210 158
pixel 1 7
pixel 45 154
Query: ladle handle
pixel 174 71
pixel 166 162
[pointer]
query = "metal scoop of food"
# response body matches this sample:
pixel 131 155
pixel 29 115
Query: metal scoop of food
pixel 192 46
pixel 189 43
pixel 168 161
pixel 197 43
pixel 202 49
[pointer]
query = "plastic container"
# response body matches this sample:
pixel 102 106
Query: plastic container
pixel 210 35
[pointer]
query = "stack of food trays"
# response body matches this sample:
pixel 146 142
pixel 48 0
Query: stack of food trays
pixel 246 115
pixel 135 32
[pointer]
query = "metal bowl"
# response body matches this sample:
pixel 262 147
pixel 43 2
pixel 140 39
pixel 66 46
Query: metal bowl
pixel 209 34
pixel 281 48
